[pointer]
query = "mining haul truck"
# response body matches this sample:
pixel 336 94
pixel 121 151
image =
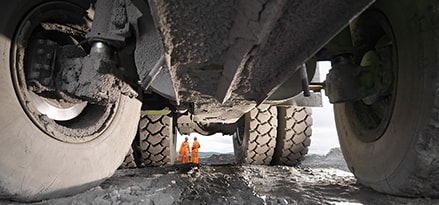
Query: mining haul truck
pixel 84 82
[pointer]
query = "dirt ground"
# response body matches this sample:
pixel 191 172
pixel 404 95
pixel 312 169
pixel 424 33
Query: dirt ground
pixel 218 180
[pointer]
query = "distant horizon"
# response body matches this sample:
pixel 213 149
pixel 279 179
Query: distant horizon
pixel 218 152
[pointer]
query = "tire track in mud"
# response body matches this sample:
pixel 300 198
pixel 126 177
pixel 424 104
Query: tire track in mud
pixel 222 184
pixel 289 185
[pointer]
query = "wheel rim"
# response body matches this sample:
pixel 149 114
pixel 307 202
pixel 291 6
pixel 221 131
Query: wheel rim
pixel 374 40
pixel 34 71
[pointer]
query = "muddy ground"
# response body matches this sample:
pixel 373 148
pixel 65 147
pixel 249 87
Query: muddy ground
pixel 218 180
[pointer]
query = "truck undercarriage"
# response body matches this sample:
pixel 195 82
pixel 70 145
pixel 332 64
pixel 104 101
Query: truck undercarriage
pixel 82 82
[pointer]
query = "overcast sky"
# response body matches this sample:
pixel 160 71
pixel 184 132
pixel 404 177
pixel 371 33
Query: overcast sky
pixel 324 135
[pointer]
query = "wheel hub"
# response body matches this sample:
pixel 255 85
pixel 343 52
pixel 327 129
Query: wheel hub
pixel 379 71
pixel 51 30
pixel 41 60
pixel 376 47
pixel 41 73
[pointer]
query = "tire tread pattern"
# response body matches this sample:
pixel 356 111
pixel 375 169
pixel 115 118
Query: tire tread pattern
pixel 129 161
pixel 294 135
pixel 155 138
pixel 262 135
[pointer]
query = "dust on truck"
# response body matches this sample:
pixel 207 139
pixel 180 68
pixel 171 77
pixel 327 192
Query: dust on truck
pixel 85 82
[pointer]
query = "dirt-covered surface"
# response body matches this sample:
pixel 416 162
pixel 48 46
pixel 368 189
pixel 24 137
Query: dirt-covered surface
pixel 218 180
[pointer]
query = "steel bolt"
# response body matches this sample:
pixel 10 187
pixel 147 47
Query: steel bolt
pixel 40 51
pixel 38 66
pixel 34 75
pixel 50 43
pixel 46 81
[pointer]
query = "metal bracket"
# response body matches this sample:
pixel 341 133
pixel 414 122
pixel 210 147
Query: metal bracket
pixel 305 83
pixel 344 82
pixel 147 81
pixel 110 23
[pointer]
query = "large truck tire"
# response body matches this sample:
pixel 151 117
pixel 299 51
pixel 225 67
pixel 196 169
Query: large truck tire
pixel 157 140
pixel 255 139
pixel 42 156
pixel 129 162
pixel 390 139
pixel 294 135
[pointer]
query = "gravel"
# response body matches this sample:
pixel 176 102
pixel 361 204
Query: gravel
pixel 218 180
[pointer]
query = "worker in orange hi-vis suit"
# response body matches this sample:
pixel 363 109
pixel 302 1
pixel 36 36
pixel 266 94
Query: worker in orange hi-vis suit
pixel 184 150
pixel 195 147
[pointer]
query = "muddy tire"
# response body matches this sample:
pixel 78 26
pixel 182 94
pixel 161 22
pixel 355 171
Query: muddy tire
pixel 389 140
pixel 255 139
pixel 40 155
pixel 157 140
pixel 294 135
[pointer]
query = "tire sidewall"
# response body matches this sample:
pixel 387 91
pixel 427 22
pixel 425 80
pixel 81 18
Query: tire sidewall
pixel 389 159
pixel 241 147
pixel 35 166
pixel 258 136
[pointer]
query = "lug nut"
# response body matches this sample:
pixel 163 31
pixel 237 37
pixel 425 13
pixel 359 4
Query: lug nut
pixel 50 43
pixel 38 66
pixel 47 81
pixel 34 75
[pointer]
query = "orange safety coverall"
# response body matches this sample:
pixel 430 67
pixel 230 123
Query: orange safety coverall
pixel 195 146
pixel 184 150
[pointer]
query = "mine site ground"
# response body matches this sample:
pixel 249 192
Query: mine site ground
pixel 321 179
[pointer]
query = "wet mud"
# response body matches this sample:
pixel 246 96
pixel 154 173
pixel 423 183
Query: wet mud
pixel 218 180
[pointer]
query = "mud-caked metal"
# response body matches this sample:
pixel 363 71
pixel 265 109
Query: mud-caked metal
pixel 75 77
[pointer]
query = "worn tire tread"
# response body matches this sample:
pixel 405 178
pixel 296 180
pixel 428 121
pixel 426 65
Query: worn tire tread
pixel 155 140
pixel 294 135
pixel 263 137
